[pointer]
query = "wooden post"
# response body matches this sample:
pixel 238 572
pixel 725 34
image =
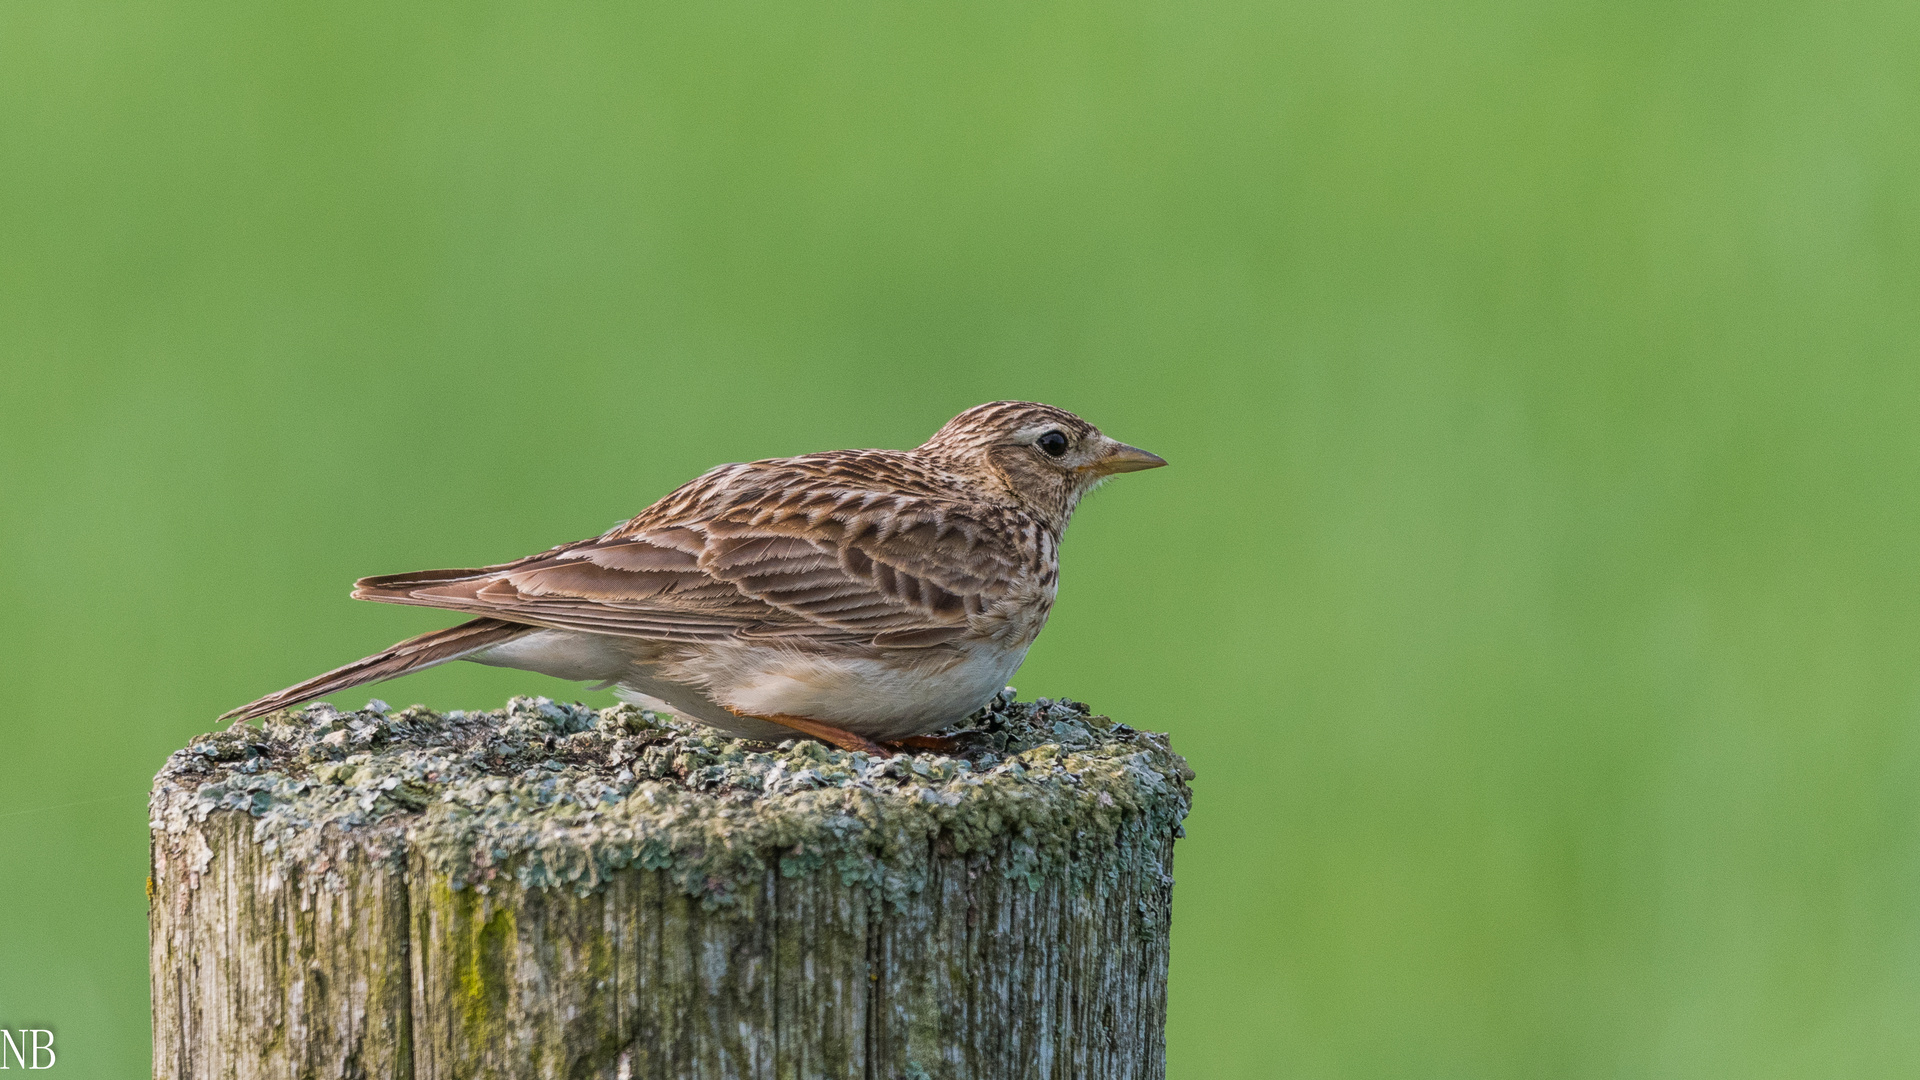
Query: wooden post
pixel 551 891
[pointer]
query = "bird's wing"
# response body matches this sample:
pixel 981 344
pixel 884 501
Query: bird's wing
pixel 761 550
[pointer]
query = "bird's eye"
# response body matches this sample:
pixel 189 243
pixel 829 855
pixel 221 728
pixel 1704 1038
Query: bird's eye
pixel 1052 444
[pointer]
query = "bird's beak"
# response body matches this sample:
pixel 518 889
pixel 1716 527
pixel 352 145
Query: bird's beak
pixel 1121 458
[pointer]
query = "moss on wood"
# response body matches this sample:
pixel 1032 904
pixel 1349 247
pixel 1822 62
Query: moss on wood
pixel 545 795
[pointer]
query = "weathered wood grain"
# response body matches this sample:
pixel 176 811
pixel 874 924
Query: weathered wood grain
pixel 259 971
pixel 356 937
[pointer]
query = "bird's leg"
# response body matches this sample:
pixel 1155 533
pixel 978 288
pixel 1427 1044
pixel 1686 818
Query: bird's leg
pixel 826 733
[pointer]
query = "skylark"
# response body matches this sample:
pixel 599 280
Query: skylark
pixel 857 596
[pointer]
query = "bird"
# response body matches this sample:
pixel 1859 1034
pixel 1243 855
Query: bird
pixel 865 598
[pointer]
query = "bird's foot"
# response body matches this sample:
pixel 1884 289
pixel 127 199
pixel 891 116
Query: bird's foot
pixel 826 733
pixel 850 741
pixel 939 744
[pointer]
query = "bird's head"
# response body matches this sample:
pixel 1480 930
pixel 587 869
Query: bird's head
pixel 1045 458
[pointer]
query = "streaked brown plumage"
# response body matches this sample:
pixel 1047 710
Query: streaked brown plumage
pixel 854 595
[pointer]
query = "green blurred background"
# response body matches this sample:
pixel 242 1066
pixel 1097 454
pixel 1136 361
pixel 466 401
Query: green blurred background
pixel 1534 589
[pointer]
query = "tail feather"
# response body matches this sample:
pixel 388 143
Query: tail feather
pixel 374 587
pixel 412 654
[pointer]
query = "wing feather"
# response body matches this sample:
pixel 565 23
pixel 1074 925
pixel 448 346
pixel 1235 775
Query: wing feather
pixel 787 547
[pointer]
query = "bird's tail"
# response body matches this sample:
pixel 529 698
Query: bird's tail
pixel 413 654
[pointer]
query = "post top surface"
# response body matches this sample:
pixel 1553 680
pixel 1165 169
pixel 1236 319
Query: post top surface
pixel 543 795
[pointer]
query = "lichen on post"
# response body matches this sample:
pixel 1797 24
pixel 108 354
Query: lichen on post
pixel 554 891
